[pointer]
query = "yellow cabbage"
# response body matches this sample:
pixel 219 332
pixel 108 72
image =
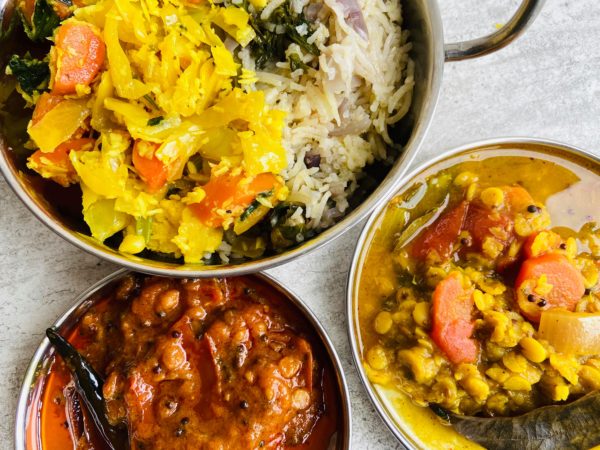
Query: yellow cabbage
pixel 235 22
pixel 220 142
pixel 224 61
pixel 136 119
pixel 119 66
pixel 103 171
pixel 187 95
pixel 262 147
pixel 59 124
pixel 168 82
pixel 134 23
pixel 195 239
pixel 95 13
pixel 100 117
pixel 103 220
pixel 258 4
pixel 237 105
pixel 137 204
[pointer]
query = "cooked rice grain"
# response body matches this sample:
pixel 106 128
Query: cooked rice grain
pixel 341 111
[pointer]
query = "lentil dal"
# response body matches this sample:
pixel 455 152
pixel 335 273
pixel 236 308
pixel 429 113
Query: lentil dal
pixel 451 294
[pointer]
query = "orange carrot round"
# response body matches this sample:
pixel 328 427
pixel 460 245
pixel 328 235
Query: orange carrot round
pixel 78 56
pixel 517 198
pixel 452 322
pixel 545 282
pixel 229 195
pixel 59 160
pixel 151 170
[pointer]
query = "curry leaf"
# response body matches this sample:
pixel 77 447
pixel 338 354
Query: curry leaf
pixel 574 426
pixel 296 63
pixel 270 42
pixel 31 74
pixel 43 22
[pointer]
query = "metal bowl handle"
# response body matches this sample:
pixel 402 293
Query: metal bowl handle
pixel 474 48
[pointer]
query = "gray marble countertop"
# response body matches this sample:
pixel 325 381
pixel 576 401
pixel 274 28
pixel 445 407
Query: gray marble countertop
pixel 546 84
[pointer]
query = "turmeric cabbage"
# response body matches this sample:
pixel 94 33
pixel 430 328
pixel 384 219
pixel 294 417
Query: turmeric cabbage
pixel 59 124
pixel 167 81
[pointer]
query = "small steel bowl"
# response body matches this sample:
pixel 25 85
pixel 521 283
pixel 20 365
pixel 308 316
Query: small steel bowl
pixel 420 17
pixel 551 150
pixel 32 388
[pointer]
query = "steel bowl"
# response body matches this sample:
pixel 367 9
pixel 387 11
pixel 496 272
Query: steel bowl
pixel 421 17
pixel 32 388
pixel 554 151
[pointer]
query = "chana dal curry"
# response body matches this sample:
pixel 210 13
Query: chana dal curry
pixel 479 295
pixel 195 364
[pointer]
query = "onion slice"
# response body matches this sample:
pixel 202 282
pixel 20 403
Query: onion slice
pixel 571 332
pixel 354 17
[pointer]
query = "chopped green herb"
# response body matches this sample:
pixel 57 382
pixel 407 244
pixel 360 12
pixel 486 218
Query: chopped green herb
pixel 249 210
pixel 155 121
pixel 265 194
pixel 31 74
pixel 390 303
pixel 151 101
pixel 296 63
pixel 270 46
pixel 283 235
pixel 43 22
pixel 255 204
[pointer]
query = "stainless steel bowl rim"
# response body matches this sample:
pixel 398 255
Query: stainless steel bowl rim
pixel 440 52
pixel 352 281
pixel 31 374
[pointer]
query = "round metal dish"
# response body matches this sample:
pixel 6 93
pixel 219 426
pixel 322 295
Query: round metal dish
pixel 477 150
pixel 34 379
pixel 422 18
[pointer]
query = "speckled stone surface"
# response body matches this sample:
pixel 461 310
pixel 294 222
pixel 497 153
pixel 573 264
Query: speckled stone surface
pixel 547 84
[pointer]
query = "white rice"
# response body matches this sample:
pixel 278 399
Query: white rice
pixel 341 111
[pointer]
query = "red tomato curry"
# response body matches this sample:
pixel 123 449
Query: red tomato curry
pixel 197 364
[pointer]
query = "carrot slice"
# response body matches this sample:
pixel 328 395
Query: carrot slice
pixel 441 235
pixel 452 322
pixel 229 195
pixel 78 56
pixel 152 170
pixel 45 104
pixel 545 282
pixel 57 165
pixel 517 198
pixel 61 9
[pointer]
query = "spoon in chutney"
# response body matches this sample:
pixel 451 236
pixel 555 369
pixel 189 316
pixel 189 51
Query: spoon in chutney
pixel 88 384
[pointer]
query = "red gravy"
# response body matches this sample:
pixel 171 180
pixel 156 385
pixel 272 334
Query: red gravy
pixel 197 364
